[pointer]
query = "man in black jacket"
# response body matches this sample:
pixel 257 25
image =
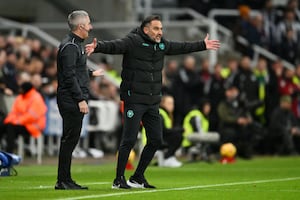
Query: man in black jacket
pixel 143 56
pixel 72 93
pixel 284 129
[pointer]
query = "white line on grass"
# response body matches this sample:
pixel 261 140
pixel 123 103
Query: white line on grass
pixel 128 192
pixel 52 186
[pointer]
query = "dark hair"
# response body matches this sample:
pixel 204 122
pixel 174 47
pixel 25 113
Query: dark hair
pixel 149 19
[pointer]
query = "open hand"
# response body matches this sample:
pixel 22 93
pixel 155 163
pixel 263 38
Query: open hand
pixel 211 44
pixel 89 48
pixel 98 72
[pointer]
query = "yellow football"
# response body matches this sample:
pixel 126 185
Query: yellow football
pixel 228 150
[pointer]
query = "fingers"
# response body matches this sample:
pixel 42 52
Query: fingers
pixel 83 107
pixel 207 36
pixel 95 42
pixel 84 110
pixel 89 48
pixel 214 47
pixel 213 44
pixel 98 72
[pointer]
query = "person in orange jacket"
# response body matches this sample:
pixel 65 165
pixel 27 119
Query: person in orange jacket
pixel 28 114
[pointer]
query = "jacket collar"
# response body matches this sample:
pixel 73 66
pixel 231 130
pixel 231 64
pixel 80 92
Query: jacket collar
pixel 140 32
pixel 77 39
pixel 29 93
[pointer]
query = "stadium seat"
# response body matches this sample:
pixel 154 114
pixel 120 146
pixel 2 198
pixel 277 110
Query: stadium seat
pixel 35 147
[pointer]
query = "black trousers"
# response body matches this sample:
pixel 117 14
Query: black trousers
pixel 72 123
pixel 11 133
pixel 133 115
pixel 173 142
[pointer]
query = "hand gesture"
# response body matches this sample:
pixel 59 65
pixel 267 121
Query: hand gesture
pixel 89 48
pixel 211 44
pixel 98 72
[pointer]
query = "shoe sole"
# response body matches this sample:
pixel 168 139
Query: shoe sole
pixel 71 188
pixel 135 185
pixel 117 187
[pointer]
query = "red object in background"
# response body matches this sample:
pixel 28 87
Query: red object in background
pixel 129 166
pixel 225 160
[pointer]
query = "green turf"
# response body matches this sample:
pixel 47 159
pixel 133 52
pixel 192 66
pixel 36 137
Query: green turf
pixel 261 178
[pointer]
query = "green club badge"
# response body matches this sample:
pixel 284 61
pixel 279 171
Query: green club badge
pixel 130 113
pixel 161 46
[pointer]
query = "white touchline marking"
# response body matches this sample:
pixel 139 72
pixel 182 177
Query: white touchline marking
pixel 52 186
pixel 179 189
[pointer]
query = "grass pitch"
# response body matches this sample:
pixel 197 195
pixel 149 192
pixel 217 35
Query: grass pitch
pixel 260 178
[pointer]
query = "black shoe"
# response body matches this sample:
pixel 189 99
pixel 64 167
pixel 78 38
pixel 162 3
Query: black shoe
pixel 69 185
pixel 120 183
pixel 79 187
pixel 139 182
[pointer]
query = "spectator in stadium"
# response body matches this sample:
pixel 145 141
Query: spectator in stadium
pixel 235 123
pixel 275 72
pixel 143 54
pixel 283 129
pixel 215 95
pixel 172 135
pixel 294 5
pixel 3 88
pixel 262 76
pixel 108 91
pixel 36 81
pixel 229 71
pixel 242 25
pixel 170 72
pixel 28 113
pixel 187 88
pixel 197 137
pixel 9 71
pixel 289 48
pixel 107 64
pixel 72 93
pixel 205 78
pixel 287 87
pixel 288 23
pixel 257 34
pixel 270 18
pixel 247 83
pixel 49 78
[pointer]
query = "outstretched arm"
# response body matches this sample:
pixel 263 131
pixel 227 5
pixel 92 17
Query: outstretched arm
pixel 175 48
pixel 118 46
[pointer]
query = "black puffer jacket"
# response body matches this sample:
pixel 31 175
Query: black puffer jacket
pixel 143 60
pixel 72 73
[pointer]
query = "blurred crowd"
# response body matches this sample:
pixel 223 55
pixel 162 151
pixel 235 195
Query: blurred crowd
pixel 276 27
pixel 277 30
pixel 256 106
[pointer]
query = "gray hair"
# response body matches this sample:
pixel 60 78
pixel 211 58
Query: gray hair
pixel 75 18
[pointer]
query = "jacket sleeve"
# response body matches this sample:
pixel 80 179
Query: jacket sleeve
pixel 118 46
pixel 175 48
pixel 69 55
pixel 276 123
pixel 225 115
pixel 196 124
pixel 13 112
